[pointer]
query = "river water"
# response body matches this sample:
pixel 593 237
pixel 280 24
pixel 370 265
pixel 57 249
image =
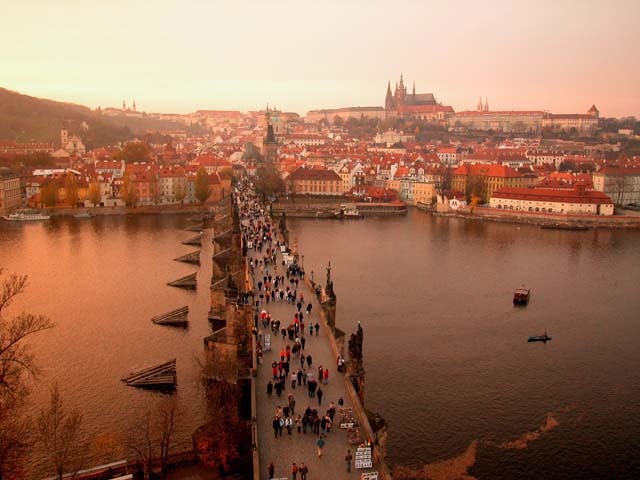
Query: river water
pixel 447 361
pixel 448 365
pixel 101 280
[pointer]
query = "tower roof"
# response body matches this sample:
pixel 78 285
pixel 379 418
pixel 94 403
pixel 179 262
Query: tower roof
pixel 592 109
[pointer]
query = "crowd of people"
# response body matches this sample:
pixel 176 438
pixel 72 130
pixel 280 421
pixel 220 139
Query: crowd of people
pixel 277 279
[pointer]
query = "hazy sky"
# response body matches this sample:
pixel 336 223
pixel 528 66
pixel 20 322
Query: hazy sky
pixel 179 56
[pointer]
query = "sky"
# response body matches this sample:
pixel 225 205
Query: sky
pixel 180 56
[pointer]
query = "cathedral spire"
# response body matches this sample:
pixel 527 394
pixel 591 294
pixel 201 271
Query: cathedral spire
pixel 486 104
pixel 414 88
pixel 479 106
pixel 401 81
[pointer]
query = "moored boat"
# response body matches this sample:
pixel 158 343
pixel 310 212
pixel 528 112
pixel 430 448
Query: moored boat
pixel 26 216
pixel 83 215
pixel 521 296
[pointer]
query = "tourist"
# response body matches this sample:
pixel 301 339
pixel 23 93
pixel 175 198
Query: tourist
pixel 348 459
pixel 294 377
pixel 317 328
pixel 303 340
pixel 272 470
pixel 303 470
pixel 298 422
pixel 309 360
pixel 294 471
pixel 319 394
pixel 269 388
pixel 276 426
pixel 288 422
pixel 320 444
pixel 325 376
pixel 309 307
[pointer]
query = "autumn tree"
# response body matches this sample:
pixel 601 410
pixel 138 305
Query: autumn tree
pixel 59 436
pixel 134 152
pixel 128 192
pixel 94 193
pixel 49 193
pixel 203 190
pixel 16 363
pixel 268 183
pixel 71 189
pixel 180 192
pixel 224 442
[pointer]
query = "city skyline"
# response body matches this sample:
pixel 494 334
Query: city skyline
pixel 556 56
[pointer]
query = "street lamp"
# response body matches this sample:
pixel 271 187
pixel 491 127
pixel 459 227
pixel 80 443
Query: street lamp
pixel 312 282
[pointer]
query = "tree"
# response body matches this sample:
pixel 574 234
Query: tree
pixel 153 437
pixel 16 362
pixel 94 193
pixel 58 433
pixel 129 193
pixel 134 152
pixel 181 192
pixel 203 190
pixel 268 182
pixel 49 193
pixel 71 189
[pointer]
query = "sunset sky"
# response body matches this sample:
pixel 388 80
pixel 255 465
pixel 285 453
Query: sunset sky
pixel 179 56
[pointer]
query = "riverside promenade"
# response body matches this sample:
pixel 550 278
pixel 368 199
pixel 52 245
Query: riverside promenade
pixel 300 447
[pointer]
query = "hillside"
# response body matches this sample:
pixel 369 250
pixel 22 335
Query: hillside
pixel 25 119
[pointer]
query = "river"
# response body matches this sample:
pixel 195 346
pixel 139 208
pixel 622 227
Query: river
pixel 447 361
pixel 101 280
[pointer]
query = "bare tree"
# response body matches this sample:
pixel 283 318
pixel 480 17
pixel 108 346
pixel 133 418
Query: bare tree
pixel 16 362
pixel 153 439
pixel 59 436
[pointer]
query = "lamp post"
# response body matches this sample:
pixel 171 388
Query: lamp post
pixel 303 261
pixel 312 282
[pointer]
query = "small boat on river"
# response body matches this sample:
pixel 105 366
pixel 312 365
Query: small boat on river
pixel 521 296
pixel 539 338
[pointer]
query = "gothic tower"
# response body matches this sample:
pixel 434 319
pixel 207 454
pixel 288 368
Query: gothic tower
pixel 270 143
pixel 388 102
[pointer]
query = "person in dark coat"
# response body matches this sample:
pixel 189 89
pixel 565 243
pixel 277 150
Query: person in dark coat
pixel 309 359
pixel 319 394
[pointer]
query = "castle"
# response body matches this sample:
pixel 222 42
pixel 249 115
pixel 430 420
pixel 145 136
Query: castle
pixel 414 105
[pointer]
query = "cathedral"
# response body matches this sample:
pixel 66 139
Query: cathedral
pixel 422 106
pixel 400 98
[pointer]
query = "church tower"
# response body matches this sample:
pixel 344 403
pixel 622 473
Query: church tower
pixel 64 137
pixel 388 102
pixel 270 143
pixel 401 92
pixel 486 104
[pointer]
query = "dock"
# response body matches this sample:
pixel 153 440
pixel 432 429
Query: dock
pixel 159 376
pixel 193 258
pixel 188 282
pixel 198 227
pixel 178 316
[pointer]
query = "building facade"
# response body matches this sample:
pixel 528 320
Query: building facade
pixel 10 192
pixel 577 201
pixel 315 182
pixel 621 184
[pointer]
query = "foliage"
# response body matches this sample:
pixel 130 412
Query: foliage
pixel 30 119
pixel 16 362
pixel 58 433
pixel 71 189
pixel 94 193
pixel 49 193
pixel 268 183
pixel 134 152
pixel 203 190
pixel 128 192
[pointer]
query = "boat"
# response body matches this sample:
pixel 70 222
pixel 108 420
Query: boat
pixel 26 216
pixel 83 215
pixel 380 208
pixel 564 226
pixel 521 296
pixel 347 211
pixel 539 338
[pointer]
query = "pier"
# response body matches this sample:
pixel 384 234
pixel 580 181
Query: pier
pixel 195 241
pixel 193 258
pixel 174 317
pixel 159 376
pixel 189 282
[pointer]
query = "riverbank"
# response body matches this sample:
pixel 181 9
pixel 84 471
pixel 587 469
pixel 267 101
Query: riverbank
pixel 146 210
pixel 549 220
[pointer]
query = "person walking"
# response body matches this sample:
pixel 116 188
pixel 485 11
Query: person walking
pixel 294 471
pixel 319 394
pixel 269 388
pixel 348 459
pixel 325 376
pixel 271 470
pixel 320 444
pixel 309 361
pixel 317 328
pixel 303 470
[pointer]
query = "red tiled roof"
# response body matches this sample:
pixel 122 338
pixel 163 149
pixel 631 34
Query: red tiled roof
pixel 552 195
pixel 485 170
pixel 314 174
